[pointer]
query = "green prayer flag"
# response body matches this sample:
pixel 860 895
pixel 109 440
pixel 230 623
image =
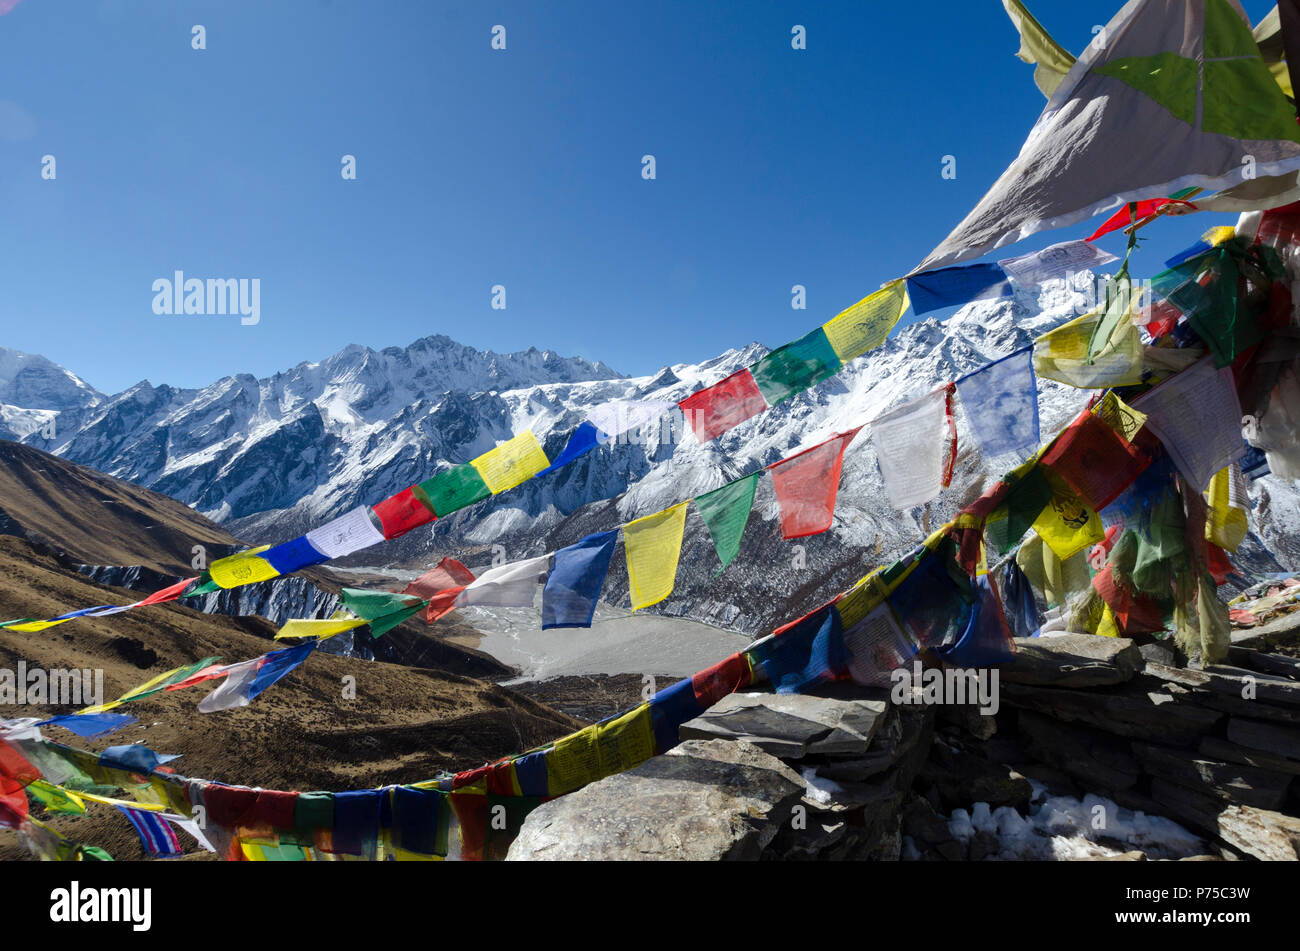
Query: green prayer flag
pixel 1014 517
pixel 793 368
pixel 314 810
pixel 383 609
pixel 452 489
pixel 726 511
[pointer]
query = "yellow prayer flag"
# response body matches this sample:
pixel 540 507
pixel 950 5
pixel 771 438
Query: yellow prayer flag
pixel 1226 523
pixel 319 628
pixel 867 323
pixel 654 544
pixel 600 750
pixel 1119 416
pixel 514 461
pixel 1062 354
pixel 1067 523
pixel 31 627
pixel 244 567
pixel 1037 46
pixel 133 692
pixel 573 762
pixel 1056 579
pixel 860 600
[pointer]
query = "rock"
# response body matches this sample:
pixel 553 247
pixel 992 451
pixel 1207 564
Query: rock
pixel 1233 782
pixel 1056 782
pixel 898 735
pixel 982 845
pixel 1099 760
pixel 1137 713
pixel 704 801
pixel 1134 856
pixel 1157 654
pixel 923 823
pixel 1272 688
pixel 1265 662
pixel 952 850
pixel 1266 835
pixel 968 719
pixel 791 726
pixel 1189 806
pixel 1073 660
pixel 963 778
pixel 1216 748
pixel 1265 736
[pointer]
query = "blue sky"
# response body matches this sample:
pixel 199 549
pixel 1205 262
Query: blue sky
pixel 478 167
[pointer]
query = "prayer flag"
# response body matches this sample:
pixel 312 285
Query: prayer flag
pixel 513 585
pixel 245 681
pixel 514 461
pixel 402 512
pixel 726 512
pixel 246 567
pixel 346 534
pixel 453 489
pixel 915 448
pixel 1095 460
pixel 865 325
pixel 654 544
pixel 1054 262
pixel 806 485
pixel 1001 401
pixel 1062 354
pixel 440 586
pixel 1051 61
pixel 717 408
pixel 953 286
pixel 793 368
pixel 1197 416
pixel 156 834
pixel 318 629
pixel 1067 524
pixel 573 586
pixel 291 556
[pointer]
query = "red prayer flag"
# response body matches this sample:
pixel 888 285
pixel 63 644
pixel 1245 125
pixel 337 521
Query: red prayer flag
pixel 439 586
pixel 727 403
pixel 806 486
pixel 1122 219
pixel 400 513
pixel 167 594
pixel 724 677
pixel 15 774
pixel 1095 460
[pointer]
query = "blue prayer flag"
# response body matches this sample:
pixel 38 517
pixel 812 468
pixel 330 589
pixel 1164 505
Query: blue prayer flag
pixel 1001 402
pixel 953 286
pixel 573 586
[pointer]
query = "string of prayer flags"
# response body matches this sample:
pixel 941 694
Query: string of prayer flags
pixel 246 680
pixel 654 544
pixel 512 585
pixel 806 485
pixel 1001 401
pixel 726 404
pixel 156 834
pixel 348 533
pixel 916 448
pixel 1063 354
pixel 954 286
pixel 384 610
pixel 573 586
pixel 1095 460
pixel 147 689
pixel 440 587
pixel 793 368
pixel 865 325
pixel 726 513
pixel 1197 416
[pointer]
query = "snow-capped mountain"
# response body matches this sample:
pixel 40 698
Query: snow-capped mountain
pixel 275 457
pixel 34 391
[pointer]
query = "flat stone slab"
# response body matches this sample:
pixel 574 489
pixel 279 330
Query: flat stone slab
pixel 703 801
pixel 1073 660
pixel 792 726
pixel 1140 714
